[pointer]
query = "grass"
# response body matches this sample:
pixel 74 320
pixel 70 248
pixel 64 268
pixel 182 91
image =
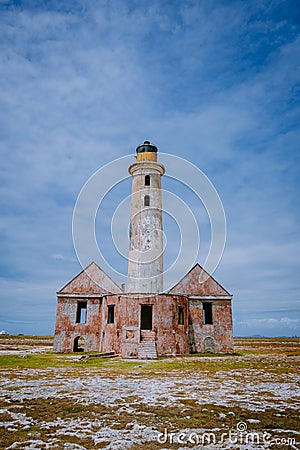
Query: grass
pixel 250 354
pixel 163 365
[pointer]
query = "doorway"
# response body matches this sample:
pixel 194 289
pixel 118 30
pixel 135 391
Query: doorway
pixel 78 344
pixel 146 317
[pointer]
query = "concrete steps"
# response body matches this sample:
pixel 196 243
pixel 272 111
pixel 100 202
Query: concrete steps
pixel 147 346
pixel 147 350
pixel 147 335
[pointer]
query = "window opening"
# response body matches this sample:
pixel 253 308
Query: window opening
pixel 81 312
pixel 146 200
pixel 111 314
pixel 207 314
pixel 180 315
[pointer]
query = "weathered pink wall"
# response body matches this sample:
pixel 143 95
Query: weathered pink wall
pixel 123 336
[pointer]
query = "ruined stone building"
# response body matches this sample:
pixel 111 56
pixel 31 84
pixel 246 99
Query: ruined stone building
pixel 94 314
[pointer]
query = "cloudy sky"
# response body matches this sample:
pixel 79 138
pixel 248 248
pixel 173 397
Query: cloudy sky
pixel 215 82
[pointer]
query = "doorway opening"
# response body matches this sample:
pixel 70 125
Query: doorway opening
pixel 146 317
pixel 78 344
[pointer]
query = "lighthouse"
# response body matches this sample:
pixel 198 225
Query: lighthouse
pixel 145 259
pixel 94 314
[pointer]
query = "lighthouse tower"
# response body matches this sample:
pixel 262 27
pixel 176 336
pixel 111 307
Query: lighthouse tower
pixel 94 314
pixel 145 260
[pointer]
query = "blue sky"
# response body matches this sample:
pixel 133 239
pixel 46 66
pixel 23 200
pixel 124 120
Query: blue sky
pixel 215 82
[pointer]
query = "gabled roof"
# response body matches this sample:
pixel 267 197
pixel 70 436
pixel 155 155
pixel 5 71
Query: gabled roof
pixel 198 282
pixel 91 280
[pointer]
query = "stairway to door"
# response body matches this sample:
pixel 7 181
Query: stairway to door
pixel 147 346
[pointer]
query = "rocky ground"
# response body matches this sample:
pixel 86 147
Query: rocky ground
pixel 249 400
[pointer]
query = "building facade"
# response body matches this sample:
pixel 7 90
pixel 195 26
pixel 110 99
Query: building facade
pixel 96 315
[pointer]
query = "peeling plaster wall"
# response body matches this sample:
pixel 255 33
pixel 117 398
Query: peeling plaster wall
pixel 66 329
pixel 220 331
pixel 171 338
pixel 123 336
pixel 110 332
pixel 91 280
pixel 198 282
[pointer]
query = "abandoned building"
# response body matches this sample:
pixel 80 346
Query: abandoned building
pixel 94 314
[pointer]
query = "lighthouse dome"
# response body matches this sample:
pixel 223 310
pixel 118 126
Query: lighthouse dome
pixel 146 147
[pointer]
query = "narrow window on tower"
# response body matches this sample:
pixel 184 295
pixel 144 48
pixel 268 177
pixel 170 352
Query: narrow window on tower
pixel 81 312
pixel 180 315
pixel 147 180
pixel 207 314
pixel 146 200
pixel 111 314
